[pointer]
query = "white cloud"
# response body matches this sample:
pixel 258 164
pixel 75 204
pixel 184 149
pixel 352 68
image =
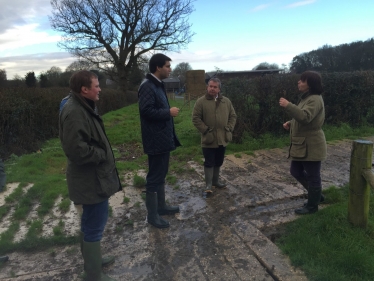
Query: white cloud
pixel 301 3
pixel 26 35
pixel 235 61
pixel 21 12
pixel 260 7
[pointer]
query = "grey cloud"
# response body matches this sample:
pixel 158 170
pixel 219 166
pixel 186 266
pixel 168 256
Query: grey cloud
pixel 34 62
pixel 18 12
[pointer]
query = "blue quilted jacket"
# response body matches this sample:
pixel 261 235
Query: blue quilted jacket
pixel 158 133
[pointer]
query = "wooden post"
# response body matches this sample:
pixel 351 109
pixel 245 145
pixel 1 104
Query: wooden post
pixel 359 188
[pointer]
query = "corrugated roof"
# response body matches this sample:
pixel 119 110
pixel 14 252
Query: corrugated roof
pixel 171 79
pixel 212 73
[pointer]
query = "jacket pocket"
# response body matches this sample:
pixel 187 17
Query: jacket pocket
pixel 228 135
pixel 208 138
pixel 109 182
pixel 298 147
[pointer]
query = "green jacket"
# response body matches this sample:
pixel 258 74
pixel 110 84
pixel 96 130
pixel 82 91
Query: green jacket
pixel 91 171
pixel 215 120
pixel 308 141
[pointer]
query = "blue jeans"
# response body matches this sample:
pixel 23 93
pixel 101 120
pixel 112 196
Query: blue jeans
pixel 307 170
pixel 94 219
pixel 214 156
pixel 158 166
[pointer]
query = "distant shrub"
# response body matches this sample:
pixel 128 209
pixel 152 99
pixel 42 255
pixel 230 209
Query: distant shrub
pixel 29 116
pixel 348 98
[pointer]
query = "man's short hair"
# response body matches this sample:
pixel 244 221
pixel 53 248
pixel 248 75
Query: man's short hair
pixel 314 81
pixel 215 79
pixel 82 78
pixel 157 60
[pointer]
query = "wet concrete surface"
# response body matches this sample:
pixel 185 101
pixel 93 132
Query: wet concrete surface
pixel 225 237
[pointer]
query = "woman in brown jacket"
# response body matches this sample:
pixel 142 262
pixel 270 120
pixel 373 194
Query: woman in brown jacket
pixel 308 143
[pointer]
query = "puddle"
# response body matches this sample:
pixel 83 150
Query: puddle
pixel 188 209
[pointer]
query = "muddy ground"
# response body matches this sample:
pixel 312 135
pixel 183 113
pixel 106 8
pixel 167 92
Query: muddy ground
pixel 226 237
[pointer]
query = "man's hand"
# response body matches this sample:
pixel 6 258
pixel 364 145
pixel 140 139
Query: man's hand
pixel 174 111
pixel 286 125
pixel 283 102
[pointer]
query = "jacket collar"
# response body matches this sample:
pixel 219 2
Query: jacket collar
pixel 304 95
pixel 209 97
pixel 89 105
pixel 154 80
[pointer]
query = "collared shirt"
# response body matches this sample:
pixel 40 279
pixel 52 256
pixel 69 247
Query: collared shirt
pixel 156 77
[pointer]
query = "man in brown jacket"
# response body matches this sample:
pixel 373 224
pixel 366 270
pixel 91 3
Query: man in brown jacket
pixel 215 118
pixel 91 171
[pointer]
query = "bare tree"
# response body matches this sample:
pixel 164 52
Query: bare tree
pixel 79 65
pixel 116 34
pixel 179 71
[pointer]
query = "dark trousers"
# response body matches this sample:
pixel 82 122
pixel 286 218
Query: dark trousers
pixel 2 175
pixel 214 156
pixel 158 166
pixel 94 219
pixel 307 170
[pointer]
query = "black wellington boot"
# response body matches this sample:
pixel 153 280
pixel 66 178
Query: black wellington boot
pixel 314 197
pixel 153 217
pixel 216 181
pixel 305 184
pixel 162 208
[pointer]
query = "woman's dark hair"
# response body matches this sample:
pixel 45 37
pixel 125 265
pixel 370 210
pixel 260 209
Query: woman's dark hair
pixel 313 80
pixel 157 60
pixel 81 79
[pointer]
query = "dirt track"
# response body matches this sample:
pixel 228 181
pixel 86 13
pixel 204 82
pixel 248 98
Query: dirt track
pixel 221 238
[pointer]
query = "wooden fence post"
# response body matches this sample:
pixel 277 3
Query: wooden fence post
pixel 359 188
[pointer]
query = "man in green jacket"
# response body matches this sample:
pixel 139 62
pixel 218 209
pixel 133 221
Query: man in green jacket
pixel 215 118
pixel 91 171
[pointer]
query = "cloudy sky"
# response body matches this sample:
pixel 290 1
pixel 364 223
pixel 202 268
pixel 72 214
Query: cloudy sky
pixel 231 35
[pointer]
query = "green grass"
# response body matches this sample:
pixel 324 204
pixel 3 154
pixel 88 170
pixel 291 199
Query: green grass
pixel 46 171
pixel 139 181
pixel 327 247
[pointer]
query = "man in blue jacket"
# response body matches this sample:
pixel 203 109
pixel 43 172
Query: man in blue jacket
pixel 158 136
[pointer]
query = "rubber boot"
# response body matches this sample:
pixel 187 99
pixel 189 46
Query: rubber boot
pixel 216 181
pixel 92 262
pixel 162 208
pixel 105 261
pixel 304 183
pixel 153 217
pixel 3 259
pixel 314 197
pixel 208 171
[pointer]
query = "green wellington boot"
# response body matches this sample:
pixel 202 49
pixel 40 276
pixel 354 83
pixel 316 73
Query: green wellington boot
pixel 105 261
pixel 208 171
pixel 216 181
pixel 92 262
